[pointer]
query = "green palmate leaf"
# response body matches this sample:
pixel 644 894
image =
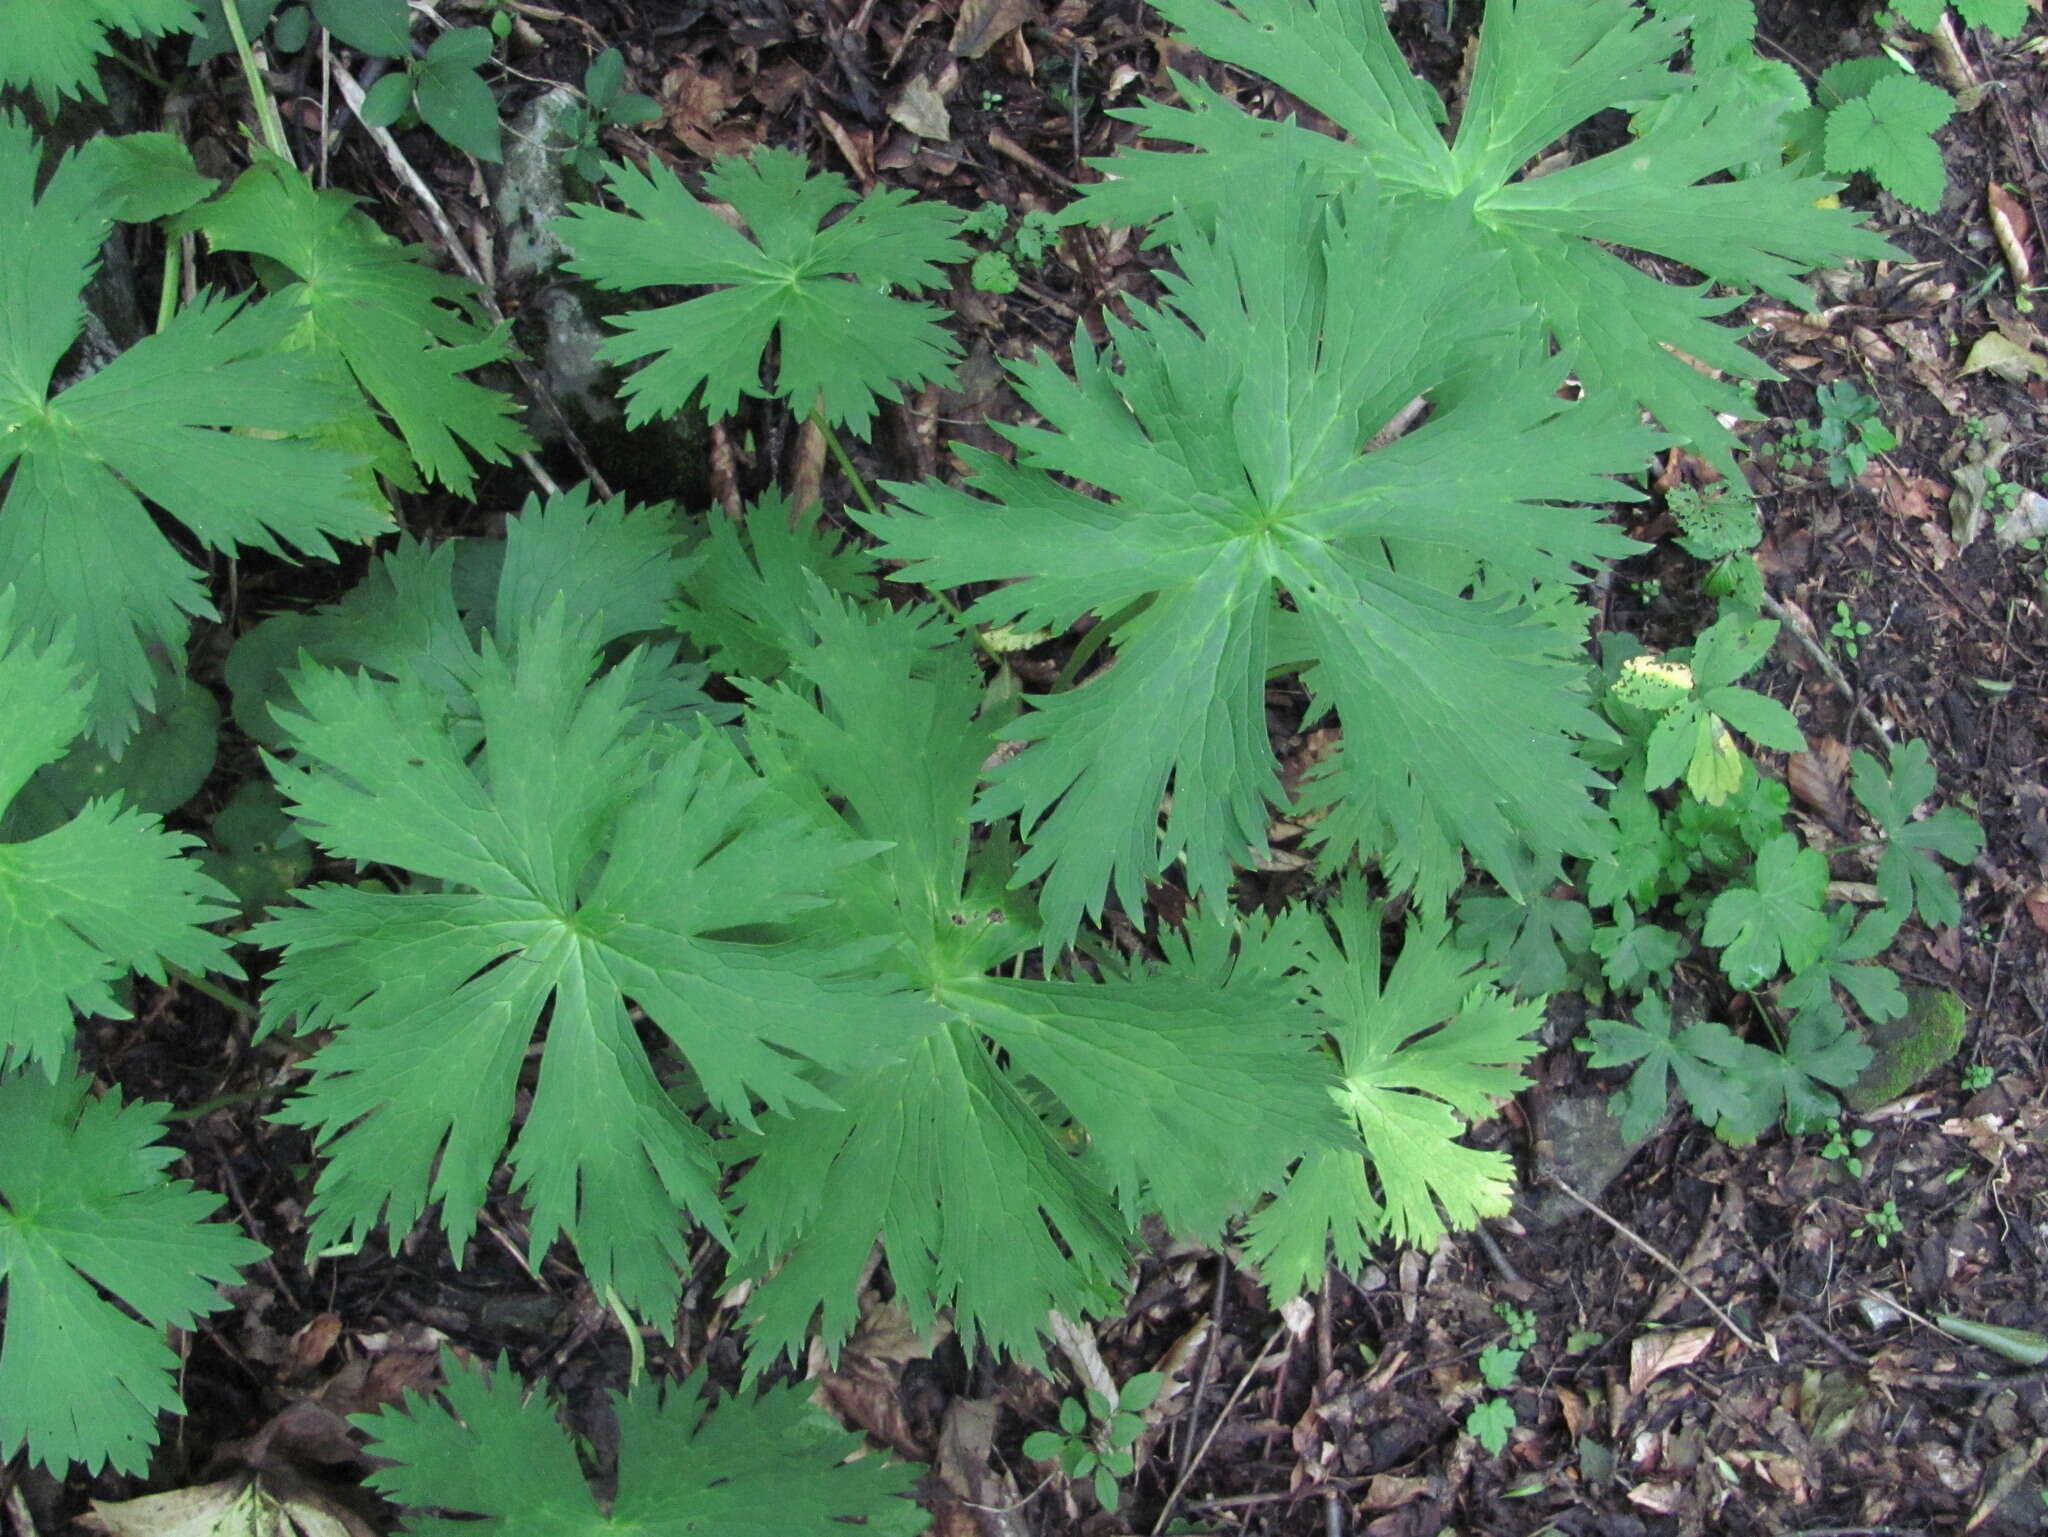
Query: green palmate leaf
pixel 146 175
pixel 1228 438
pixel 1888 131
pixel 1909 875
pixel 103 894
pixel 419 609
pixel 1775 919
pixel 1534 943
pixel 77 541
pixel 1712 1066
pixel 54 47
pixel 368 307
pixel 1850 944
pixel 2005 17
pixel 99 1253
pixel 819 292
pixel 1821 1053
pixel 580 861
pixel 747 606
pixel 772 1466
pixel 1190 1093
pixel 1422 1053
pixel 1543 67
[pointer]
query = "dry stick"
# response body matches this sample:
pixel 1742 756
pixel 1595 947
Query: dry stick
pixel 1868 721
pixel 17 1508
pixel 1244 1382
pixel 352 93
pixel 1659 1256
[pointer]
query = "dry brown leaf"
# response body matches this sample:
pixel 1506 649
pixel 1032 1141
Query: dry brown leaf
pixel 1652 1355
pixel 310 1345
pixel 1390 1491
pixel 1819 778
pixel 235 1507
pixel 2037 907
pixel 1665 1499
pixel 1574 1409
pixel 984 23
pixel 920 108
pixel 857 146
pixel 1996 353
pixel 2014 229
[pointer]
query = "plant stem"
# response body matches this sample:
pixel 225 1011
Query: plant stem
pixel 860 486
pixel 266 109
pixel 867 501
pixel 167 301
pixel 215 991
pixel 635 1346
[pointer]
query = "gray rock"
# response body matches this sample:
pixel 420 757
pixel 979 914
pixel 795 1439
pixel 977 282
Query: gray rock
pixel 560 324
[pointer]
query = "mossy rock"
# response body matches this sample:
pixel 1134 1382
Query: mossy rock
pixel 1908 1050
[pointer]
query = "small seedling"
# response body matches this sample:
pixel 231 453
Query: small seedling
pixel 1977 1075
pixel 1881 1224
pixel 1096 1441
pixel 1845 1147
pixel 447 91
pixel 998 271
pixel 1849 433
pixel 1848 629
pixel 607 105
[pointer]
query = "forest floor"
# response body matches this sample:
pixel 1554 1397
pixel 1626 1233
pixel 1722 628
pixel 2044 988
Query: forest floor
pixel 1734 1342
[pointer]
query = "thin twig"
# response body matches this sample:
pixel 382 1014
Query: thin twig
pixel 1244 1382
pixel 1660 1257
pixel 1218 1304
pixel 1869 722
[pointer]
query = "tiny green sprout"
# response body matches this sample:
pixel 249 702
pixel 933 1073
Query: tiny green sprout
pixel 1036 235
pixel 1848 629
pixel 1881 1224
pixel 1850 432
pixel 986 222
pixel 607 104
pixel 1580 1340
pixel 1489 1423
pixel 993 273
pixel 1977 1075
pixel 1844 1147
pixel 990 100
pixel 1521 1324
pixel 1097 1442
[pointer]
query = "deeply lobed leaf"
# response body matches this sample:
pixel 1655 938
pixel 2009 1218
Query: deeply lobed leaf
pixel 1229 438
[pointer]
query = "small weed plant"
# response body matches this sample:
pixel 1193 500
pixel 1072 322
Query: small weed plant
pixel 1096 1442
pixel 688 879
pixel 1848 435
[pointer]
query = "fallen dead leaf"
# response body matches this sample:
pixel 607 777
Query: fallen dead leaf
pixel 2027 519
pixel 2013 229
pixel 1652 1355
pixel 310 1345
pixel 1390 1491
pixel 920 108
pixel 1995 353
pixel 1663 1499
pixel 984 23
pixel 1819 778
pixel 2037 907
pixel 235 1507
